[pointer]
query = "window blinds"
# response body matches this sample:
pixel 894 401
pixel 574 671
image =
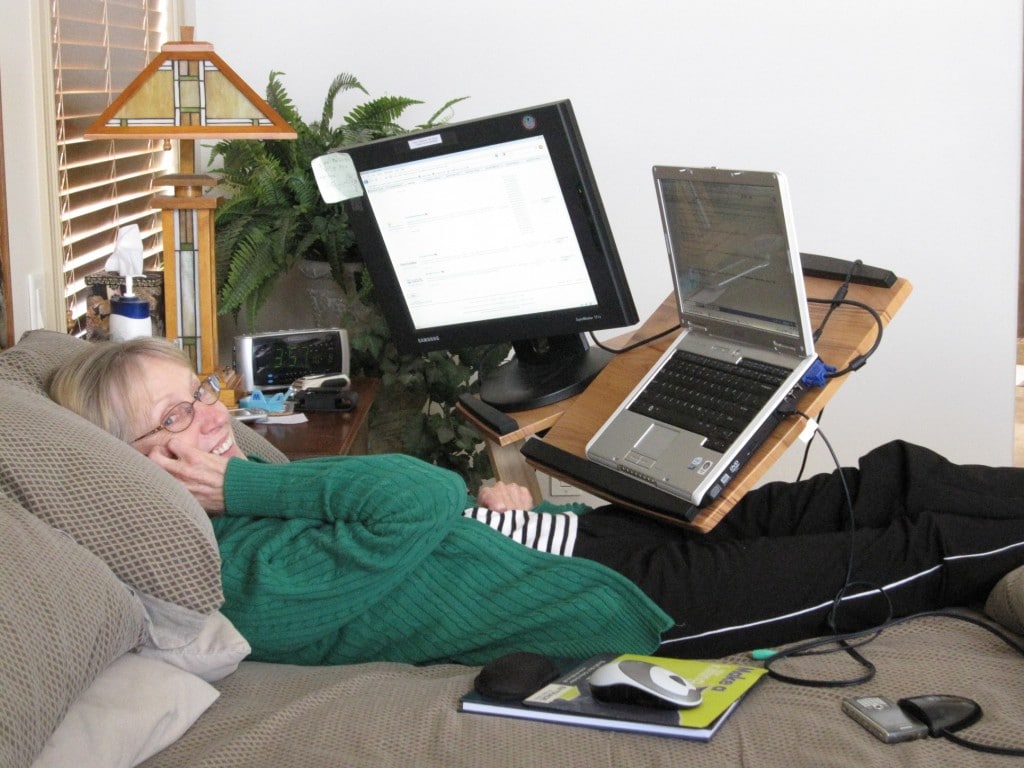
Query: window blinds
pixel 99 46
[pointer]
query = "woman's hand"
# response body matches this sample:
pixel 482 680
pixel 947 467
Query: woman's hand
pixel 201 472
pixel 502 497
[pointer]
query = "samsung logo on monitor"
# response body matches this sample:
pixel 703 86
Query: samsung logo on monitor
pixel 427 339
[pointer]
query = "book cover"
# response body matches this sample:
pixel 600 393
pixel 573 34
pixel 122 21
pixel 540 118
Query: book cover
pixel 568 700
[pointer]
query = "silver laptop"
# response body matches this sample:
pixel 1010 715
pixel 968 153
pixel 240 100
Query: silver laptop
pixel 746 336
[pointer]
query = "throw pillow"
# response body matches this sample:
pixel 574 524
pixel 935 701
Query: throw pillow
pixel 110 498
pixel 64 617
pixel 1005 603
pixel 134 709
pixel 31 361
pixel 215 653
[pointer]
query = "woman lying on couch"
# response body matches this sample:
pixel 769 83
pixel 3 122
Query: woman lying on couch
pixel 347 559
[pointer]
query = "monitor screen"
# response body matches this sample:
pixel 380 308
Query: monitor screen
pixel 493 231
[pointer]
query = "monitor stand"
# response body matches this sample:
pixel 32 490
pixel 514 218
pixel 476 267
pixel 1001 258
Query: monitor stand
pixel 543 371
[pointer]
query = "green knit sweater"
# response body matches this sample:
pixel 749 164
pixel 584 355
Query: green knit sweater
pixel 339 560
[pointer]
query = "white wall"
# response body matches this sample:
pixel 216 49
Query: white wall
pixel 25 117
pixel 898 124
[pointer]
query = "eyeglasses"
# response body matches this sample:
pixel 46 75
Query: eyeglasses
pixel 180 416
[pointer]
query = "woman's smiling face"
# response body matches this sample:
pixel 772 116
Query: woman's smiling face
pixel 167 384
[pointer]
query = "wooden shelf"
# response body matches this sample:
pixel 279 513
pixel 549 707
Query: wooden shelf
pixel 570 424
pixel 326 433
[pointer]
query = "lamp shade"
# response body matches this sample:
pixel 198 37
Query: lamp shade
pixel 189 92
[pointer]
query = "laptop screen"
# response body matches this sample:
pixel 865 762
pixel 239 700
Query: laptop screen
pixel 732 249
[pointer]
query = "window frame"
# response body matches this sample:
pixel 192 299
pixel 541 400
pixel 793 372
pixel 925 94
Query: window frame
pixel 6 308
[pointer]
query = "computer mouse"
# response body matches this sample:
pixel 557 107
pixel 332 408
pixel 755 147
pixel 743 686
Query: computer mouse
pixel 631 681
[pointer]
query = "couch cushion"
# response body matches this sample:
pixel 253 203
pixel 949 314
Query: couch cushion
pixel 1005 603
pixel 390 715
pixel 64 617
pixel 253 443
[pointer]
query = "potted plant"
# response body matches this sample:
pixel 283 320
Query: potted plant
pixel 273 218
pixel 415 413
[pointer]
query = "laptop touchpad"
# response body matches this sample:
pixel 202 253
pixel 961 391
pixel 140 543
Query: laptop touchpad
pixel 655 440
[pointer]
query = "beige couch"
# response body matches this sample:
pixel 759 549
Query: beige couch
pixel 113 652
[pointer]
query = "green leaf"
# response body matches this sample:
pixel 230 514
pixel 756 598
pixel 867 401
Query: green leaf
pixel 381 115
pixel 340 83
pixel 444 114
pixel 272 216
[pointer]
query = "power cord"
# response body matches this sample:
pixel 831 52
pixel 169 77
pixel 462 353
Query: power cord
pixel 843 641
pixel 839 299
pixel 636 344
pixel 858 362
pixel 807 450
pixel 850 642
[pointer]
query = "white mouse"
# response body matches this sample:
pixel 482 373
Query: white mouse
pixel 630 681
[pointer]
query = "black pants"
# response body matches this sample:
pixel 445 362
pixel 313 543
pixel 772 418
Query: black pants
pixel 926 532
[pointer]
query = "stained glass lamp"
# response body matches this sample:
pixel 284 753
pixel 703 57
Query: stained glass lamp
pixel 187 92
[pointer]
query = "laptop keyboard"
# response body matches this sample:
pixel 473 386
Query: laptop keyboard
pixel 709 397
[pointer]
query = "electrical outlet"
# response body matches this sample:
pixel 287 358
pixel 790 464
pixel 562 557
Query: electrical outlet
pixel 35 301
pixel 562 488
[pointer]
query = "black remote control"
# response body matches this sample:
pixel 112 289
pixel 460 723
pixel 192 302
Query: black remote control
pixel 500 422
pixel 838 269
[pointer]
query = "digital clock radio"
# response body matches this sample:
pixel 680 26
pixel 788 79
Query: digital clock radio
pixel 269 361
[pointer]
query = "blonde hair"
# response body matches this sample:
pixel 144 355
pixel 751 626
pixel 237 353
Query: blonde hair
pixel 100 383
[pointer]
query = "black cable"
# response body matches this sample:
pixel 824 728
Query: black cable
pixel 807 450
pixel 818 648
pixel 987 748
pixel 838 299
pixel 837 638
pixel 850 642
pixel 858 362
pixel 636 344
pixel 849 508
pixel 811 648
pixel 819 645
pixel 835 301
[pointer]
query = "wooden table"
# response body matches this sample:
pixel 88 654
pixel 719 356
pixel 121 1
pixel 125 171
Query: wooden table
pixel 326 433
pixel 571 423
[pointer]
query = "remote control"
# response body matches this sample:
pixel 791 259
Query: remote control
pixel 838 269
pixel 500 422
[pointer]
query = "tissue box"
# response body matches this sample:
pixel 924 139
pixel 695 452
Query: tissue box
pixel 106 285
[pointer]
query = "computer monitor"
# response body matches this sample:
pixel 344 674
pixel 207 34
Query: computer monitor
pixel 488 231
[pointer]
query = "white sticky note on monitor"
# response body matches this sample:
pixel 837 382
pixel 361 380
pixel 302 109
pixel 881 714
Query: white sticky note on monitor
pixel 336 177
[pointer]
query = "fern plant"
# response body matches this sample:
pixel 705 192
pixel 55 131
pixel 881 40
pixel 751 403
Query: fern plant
pixel 273 216
pixel 433 430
